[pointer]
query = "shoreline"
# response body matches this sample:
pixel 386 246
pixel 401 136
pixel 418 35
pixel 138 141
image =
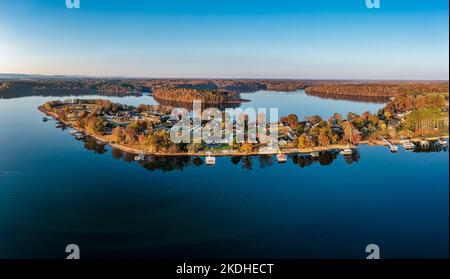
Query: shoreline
pixel 240 101
pixel 225 153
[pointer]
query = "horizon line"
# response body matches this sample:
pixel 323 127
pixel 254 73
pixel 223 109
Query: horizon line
pixel 81 76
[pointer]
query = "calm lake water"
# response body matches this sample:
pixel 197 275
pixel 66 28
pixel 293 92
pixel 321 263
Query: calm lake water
pixel 55 190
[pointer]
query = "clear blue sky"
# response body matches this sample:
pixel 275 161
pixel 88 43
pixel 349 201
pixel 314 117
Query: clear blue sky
pixel 404 39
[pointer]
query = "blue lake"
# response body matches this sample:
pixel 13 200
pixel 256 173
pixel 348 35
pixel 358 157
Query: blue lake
pixel 305 105
pixel 55 190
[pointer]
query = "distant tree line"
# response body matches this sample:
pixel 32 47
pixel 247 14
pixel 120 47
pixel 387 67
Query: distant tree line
pixel 379 89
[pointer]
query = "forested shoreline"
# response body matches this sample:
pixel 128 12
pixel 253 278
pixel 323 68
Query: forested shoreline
pixel 223 90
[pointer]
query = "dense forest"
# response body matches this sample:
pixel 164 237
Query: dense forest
pixel 222 90
pixel 234 85
pixel 101 86
pixel 388 89
pixel 188 95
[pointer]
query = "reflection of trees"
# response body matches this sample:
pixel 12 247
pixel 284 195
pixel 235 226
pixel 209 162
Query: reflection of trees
pixel 303 160
pixel 189 105
pixel 247 163
pixel 355 98
pixel 91 144
pixel 266 161
pixel 179 163
pixel 61 125
pixel 354 158
pixel 168 163
pixel 117 153
pixel 197 161
pixel 434 147
pixel 128 157
pixel 325 158
pixel 235 159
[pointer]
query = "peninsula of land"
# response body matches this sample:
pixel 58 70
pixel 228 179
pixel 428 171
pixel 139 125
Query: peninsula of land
pixel 412 118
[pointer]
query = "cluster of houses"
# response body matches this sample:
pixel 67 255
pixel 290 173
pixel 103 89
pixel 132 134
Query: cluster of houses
pixel 125 117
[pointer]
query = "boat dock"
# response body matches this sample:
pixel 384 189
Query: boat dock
pixel 392 147
pixel 407 144
pixel 210 160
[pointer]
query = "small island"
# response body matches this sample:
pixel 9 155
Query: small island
pixel 413 120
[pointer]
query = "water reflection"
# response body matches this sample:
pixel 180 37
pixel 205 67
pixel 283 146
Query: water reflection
pixel 325 158
pixel 434 147
pixel 189 105
pixel 61 93
pixel 95 146
pixel 167 164
pixel 179 163
pixel 60 125
pixel 356 98
pixel 163 163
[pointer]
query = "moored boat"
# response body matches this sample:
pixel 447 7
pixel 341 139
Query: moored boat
pixel 407 145
pixel 314 154
pixel 79 136
pixel 442 142
pixel 424 144
pixel 281 158
pixel 210 160
pixel 394 148
pixel 347 151
pixel 140 157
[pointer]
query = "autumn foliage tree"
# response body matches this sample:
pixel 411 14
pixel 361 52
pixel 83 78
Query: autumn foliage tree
pixel 291 120
pixel 118 134
pixel 246 147
pixel 305 141
pixel 95 125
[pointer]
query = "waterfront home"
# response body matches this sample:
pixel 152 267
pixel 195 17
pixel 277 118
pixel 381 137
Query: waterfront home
pixel 150 117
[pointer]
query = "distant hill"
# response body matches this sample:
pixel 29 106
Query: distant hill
pixel 224 89
pixel 7 76
pixel 379 89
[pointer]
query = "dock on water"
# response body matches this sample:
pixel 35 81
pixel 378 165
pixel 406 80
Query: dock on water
pixel 392 147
